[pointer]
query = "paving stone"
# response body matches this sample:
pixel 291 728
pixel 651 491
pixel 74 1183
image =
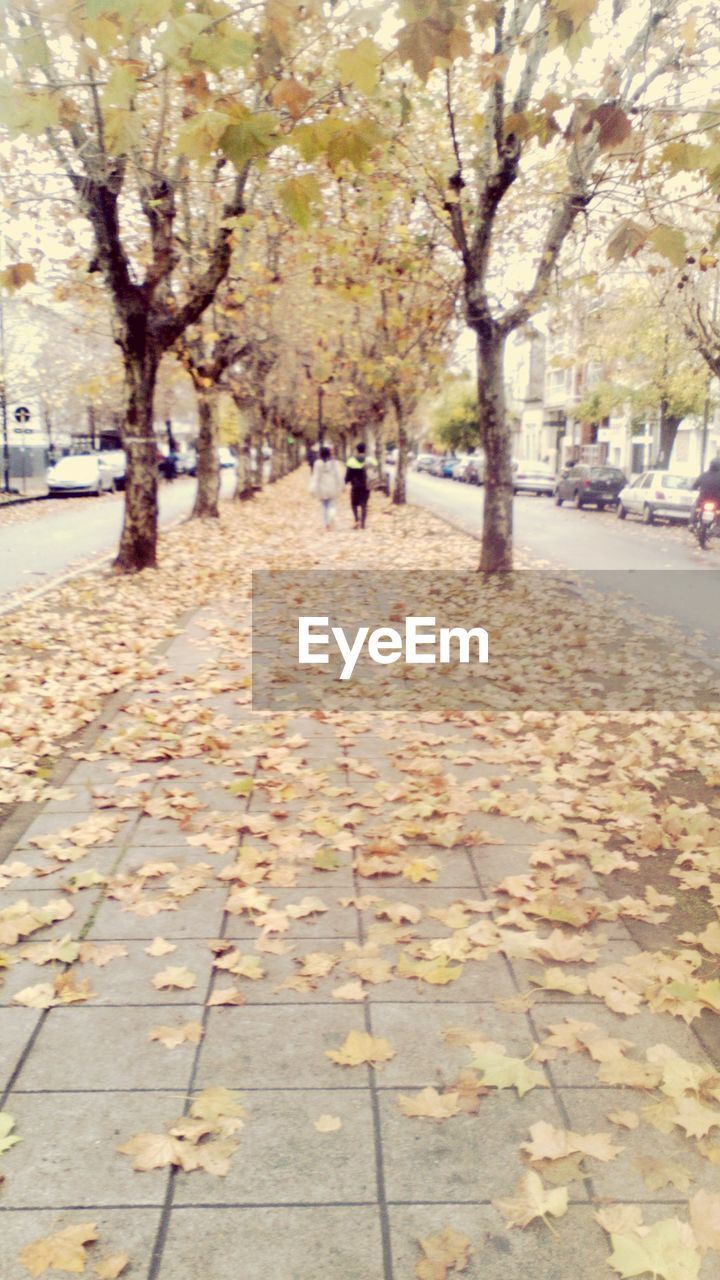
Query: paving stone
pixel 85 1047
pixel 300 1243
pixel 283 1159
pixel 16 1027
pixel 494 862
pixel 275 1047
pixel 467 1158
pixel 198 915
pixel 423 1056
pixel 128 980
pixel 131 1231
pixel 577 1249
pixel 68 1151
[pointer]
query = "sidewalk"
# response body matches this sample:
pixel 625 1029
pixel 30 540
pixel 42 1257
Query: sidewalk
pixel 336 986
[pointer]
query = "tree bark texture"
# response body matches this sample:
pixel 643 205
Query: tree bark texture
pixel 669 424
pixel 138 541
pixel 497 543
pixel 400 487
pixel 208 467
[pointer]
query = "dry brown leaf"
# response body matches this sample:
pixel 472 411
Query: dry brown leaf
pixel 359 1047
pixel 177 977
pixel 430 1105
pixel 447 1251
pixel 63 1251
pixel 171 1037
pixel 160 947
pixel 705 1219
pixel 111 1267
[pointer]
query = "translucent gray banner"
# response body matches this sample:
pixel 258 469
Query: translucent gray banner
pixel 523 642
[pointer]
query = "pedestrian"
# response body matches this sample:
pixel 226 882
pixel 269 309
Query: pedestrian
pixel 326 483
pixel 360 475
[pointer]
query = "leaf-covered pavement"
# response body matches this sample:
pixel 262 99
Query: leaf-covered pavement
pixel 436 993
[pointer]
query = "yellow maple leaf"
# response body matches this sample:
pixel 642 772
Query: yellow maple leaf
pixel 171 1037
pixel 430 1104
pixel 64 1251
pixel 175 976
pixel 359 1047
pixel 446 1251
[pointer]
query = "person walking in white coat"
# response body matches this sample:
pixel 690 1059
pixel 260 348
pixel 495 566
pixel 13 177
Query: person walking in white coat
pixel 326 483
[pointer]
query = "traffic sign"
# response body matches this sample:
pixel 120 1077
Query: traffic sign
pixel 22 414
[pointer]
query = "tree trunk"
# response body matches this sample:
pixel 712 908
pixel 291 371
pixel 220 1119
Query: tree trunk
pixel 208 467
pixel 400 488
pixel 497 543
pixel 669 423
pixel 244 487
pixel 138 541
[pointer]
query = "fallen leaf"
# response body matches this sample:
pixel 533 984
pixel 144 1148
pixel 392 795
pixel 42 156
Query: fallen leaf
pixel 447 1251
pixel 705 1219
pixel 359 1047
pixel 430 1104
pixel 171 1037
pixel 530 1200
pixel 667 1249
pixel 111 1267
pixel 64 1251
pixel 160 947
pixel 175 977
pixel 327 1124
pixel 7 1138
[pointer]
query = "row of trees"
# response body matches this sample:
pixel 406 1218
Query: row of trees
pixel 290 198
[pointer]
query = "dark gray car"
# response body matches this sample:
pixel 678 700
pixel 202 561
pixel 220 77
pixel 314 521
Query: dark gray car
pixel 587 486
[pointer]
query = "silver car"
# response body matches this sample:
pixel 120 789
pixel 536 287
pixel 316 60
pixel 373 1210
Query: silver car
pixel 657 493
pixel 534 477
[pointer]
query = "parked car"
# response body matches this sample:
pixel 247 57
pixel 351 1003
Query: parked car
pixel 586 485
pixel 424 462
pixel 475 473
pixel 448 467
pixel 226 457
pixel 116 461
pixel 461 468
pixel 80 473
pixel 657 493
pixel 436 466
pixel 534 477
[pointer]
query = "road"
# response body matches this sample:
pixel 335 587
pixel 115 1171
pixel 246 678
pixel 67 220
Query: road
pixel 661 567
pixel 35 552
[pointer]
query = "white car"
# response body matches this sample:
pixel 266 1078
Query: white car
pixel 657 493
pixel 533 477
pixel 424 461
pixel 81 473
pixel 226 457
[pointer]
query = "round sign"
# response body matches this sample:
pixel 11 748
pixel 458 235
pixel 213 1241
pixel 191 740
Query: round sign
pixel 22 414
